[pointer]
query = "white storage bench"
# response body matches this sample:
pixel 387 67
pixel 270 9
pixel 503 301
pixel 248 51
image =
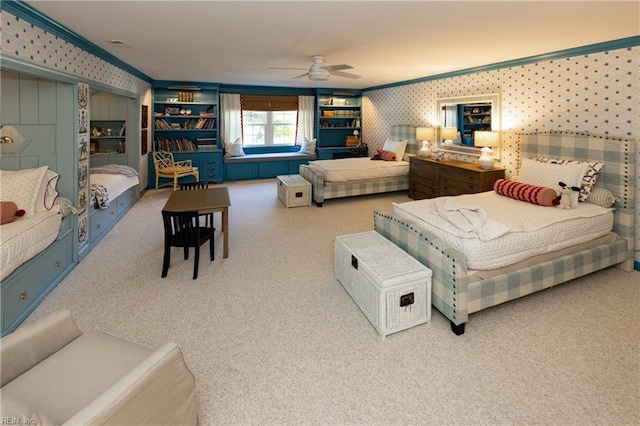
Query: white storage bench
pixel 294 190
pixel 391 288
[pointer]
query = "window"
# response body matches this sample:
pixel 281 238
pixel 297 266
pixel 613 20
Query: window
pixel 269 127
pixel 269 120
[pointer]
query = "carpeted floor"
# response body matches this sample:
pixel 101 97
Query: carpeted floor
pixel 272 337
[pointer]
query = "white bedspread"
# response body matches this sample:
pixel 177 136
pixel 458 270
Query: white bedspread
pixel 347 169
pixel 501 231
pixel 24 238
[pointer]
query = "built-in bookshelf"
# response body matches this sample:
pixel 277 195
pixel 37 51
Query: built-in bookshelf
pixel 185 117
pixel 339 119
pixel 108 137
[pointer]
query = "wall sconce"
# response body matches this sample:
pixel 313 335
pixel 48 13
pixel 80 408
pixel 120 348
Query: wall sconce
pixel 12 140
pixel 486 140
pixel 426 135
pixel 448 134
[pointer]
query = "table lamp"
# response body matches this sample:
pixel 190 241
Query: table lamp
pixel 425 134
pixel 448 134
pixel 486 140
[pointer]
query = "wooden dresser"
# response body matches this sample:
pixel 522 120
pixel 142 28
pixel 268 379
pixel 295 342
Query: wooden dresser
pixel 429 178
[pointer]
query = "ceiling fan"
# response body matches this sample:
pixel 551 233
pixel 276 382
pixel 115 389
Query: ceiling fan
pixel 320 72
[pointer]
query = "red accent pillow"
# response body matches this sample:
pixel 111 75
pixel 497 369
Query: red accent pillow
pixel 540 195
pixel 9 211
pixel 381 154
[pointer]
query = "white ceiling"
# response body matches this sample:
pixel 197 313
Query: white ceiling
pixel 235 42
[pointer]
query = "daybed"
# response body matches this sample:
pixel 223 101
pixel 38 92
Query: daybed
pixel 458 291
pixel 114 189
pixel 36 249
pixel 323 188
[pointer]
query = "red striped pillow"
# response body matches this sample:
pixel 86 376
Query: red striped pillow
pixel 525 192
pixel 381 154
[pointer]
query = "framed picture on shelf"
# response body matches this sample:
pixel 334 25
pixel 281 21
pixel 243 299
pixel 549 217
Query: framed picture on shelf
pixel 93 146
pixel 145 117
pixel 171 110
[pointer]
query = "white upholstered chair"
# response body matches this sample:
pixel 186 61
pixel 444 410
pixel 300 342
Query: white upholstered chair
pixel 166 167
pixel 52 373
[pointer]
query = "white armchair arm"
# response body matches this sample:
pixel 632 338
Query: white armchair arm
pixel 159 391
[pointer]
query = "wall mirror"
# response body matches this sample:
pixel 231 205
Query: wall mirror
pixel 467 114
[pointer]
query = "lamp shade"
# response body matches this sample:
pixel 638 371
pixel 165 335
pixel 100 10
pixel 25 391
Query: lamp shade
pixel 486 139
pixel 448 132
pixel 425 133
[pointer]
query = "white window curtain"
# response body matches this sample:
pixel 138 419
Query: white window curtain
pixel 306 117
pixel 231 109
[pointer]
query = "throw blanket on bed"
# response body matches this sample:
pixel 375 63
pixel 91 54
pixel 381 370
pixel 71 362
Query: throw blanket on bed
pixel 469 221
pixel 115 169
pixel 99 196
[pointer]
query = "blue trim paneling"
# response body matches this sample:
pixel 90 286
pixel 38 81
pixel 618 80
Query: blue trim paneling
pixel 33 16
pixel 636 265
pixel 560 54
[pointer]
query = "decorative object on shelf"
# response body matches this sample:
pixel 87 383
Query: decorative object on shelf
pixel 356 134
pixel 426 135
pixel 439 155
pixel 448 134
pixel 486 140
pixel 93 146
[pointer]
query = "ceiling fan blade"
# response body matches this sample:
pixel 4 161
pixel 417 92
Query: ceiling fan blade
pixel 345 74
pixel 301 75
pixel 338 67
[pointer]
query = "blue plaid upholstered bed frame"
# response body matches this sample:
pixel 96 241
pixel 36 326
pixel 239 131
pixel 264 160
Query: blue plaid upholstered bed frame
pixel 321 191
pixel 455 296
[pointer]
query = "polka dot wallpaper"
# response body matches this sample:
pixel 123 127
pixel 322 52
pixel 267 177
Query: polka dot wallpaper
pixel 29 43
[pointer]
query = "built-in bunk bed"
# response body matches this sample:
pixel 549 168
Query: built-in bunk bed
pixel 469 275
pixel 349 177
pixel 36 240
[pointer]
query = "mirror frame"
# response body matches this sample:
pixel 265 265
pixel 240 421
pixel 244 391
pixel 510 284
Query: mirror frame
pixel 493 99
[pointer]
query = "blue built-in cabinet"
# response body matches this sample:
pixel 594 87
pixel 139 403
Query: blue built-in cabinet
pixel 178 106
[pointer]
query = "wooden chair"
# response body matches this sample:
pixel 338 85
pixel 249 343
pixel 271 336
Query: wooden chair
pixel 183 229
pixel 208 222
pixel 166 167
pixel 194 185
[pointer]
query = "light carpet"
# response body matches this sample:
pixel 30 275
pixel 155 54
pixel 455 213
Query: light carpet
pixel 272 337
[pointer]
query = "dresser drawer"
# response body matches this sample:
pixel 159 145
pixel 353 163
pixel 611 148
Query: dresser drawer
pixel 418 191
pixel 25 289
pixel 100 221
pixel 125 201
pixel 450 185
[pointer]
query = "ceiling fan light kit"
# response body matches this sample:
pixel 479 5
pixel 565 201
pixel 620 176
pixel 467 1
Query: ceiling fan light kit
pixel 320 72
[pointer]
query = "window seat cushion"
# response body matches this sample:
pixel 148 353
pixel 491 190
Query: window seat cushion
pixel 271 156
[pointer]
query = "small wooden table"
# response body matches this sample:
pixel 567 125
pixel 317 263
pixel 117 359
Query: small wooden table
pixel 203 201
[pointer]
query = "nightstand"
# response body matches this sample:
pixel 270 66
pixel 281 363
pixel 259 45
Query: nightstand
pixel 430 178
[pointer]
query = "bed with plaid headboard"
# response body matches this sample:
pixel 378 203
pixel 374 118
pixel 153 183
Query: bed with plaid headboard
pixel 322 191
pixel 456 295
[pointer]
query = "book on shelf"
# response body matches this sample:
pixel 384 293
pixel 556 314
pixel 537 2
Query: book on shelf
pixel 207 147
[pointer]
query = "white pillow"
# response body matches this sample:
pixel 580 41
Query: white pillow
pixel 234 149
pixel 308 146
pixel 588 180
pixel 48 191
pixel 397 147
pixel 551 174
pixel 22 187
